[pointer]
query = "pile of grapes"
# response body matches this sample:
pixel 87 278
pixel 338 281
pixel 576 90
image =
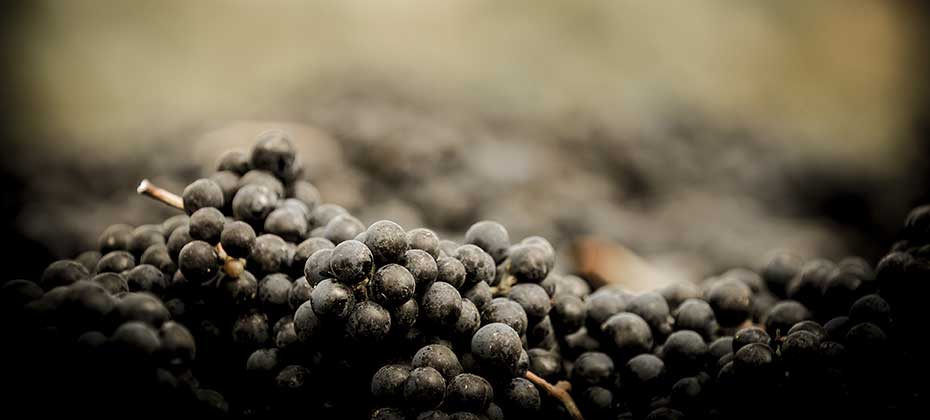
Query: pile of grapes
pixel 261 300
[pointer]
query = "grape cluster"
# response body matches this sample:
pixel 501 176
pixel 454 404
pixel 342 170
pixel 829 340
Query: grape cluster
pixel 262 300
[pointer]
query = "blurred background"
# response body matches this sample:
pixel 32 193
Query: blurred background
pixel 699 135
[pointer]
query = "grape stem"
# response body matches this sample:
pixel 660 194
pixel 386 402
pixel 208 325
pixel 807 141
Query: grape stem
pixel 149 189
pixel 558 391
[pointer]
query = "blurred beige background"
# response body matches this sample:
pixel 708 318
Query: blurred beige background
pixel 671 87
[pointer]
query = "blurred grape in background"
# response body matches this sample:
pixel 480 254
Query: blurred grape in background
pixel 699 135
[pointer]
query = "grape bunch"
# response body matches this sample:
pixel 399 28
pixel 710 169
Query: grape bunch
pixel 260 300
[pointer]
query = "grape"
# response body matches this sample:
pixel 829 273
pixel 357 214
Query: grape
pixel 262 362
pixel 807 287
pixel 779 271
pixel 568 313
pixel 235 161
pixel 331 299
pixel 546 247
pixel 468 392
pixel 438 357
pixel 251 330
pixel 469 320
pixel 262 178
pixel 490 236
pixel 273 293
pixel 342 228
pixel 496 347
pixel 629 334
pixel 799 351
pixel 388 413
pixel 112 262
pixel 441 305
pixel 811 327
pixel 679 292
pixel 198 261
pixel 253 203
pixel 479 266
pixel 89 259
pixel 424 239
pixel 643 375
pixel 269 254
pixel 387 241
pixel 238 292
pixel 306 192
pixel 179 237
pixel 392 285
pixel 423 267
pixel 142 307
pixel 157 256
pixel 425 388
pixel 351 262
pixel 387 384
pixel 317 267
pixel 146 278
pixel 287 223
pixel 520 398
pixel 480 295
pixel 731 301
pixel 135 341
pixel 306 323
pixel 298 293
pixel 449 270
pixel 871 308
pixel 748 336
pixel 202 193
pixel 368 322
pixel 720 347
pixel 274 152
pixel 18 293
pixel 654 310
pixel 837 328
pixel 507 312
pixel 306 249
pixel 592 368
pixel 783 316
pixel 63 273
pixel 534 300
pixel 529 263
pixel 206 225
pixel 177 343
pixel 754 360
pixel 684 352
pixel 114 238
pixel 696 315
pixel 600 306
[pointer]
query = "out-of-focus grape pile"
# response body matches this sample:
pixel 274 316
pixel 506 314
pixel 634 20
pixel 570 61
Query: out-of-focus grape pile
pixel 261 299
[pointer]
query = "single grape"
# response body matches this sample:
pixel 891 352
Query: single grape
pixel 424 239
pixel 368 323
pixel 441 305
pixel 202 193
pixel 392 285
pixel 592 368
pixel 490 236
pixel 469 392
pixel 507 312
pixel 198 261
pixel 425 388
pixel 332 300
pixel 63 273
pixel 235 161
pixel 351 262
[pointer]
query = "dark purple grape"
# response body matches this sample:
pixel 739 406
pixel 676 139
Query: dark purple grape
pixel 202 193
